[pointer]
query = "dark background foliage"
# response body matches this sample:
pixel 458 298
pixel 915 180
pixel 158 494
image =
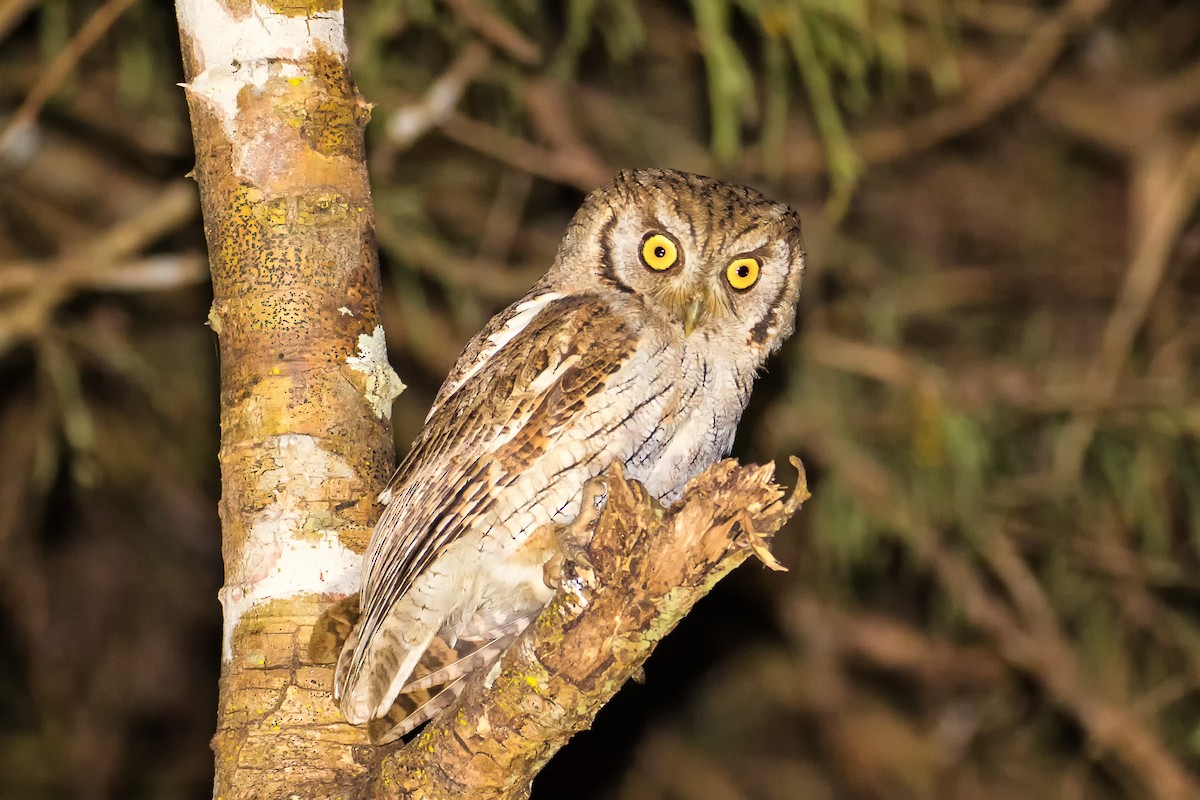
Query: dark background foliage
pixel 995 592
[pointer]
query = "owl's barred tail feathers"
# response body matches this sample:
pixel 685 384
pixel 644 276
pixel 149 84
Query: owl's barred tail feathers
pixel 411 710
pixel 371 670
pixel 398 685
pixel 439 678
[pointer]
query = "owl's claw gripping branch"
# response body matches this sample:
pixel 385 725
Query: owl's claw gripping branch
pixel 651 566
pixel 572 539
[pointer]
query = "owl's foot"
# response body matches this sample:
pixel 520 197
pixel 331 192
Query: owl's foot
pixel 572 539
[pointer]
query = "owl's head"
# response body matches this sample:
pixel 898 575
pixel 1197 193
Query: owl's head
pixel 717 260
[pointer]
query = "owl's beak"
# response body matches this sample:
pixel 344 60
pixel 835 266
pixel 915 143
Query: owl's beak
pixel 692 314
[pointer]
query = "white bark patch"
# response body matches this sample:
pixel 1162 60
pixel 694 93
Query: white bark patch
pixel 237 52
pixel 221 39
pixel 383 384
pixel 286 555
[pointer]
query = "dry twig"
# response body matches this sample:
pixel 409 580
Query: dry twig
pixel 49 81
pixel 1009 85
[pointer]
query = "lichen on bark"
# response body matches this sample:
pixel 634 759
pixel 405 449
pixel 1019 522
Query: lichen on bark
pixel 278 128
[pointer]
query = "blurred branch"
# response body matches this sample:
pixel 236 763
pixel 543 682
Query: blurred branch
pixel 11 14
pixel 502 225
pixel 497 30
pixel 1042 650
pixel 408 123
pixel 1019 387
pixel 1168 188
pixel 546 100
pixel 58 70
pixel 567 160
pixel 894 644
pixel 1009 84
pixel 1084 106
pixel 106 264
pixel 489 279
pixel 1033 642
pixel 1010 19
pixel 549 163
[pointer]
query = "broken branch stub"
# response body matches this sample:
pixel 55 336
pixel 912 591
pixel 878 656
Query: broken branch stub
pixel 649 566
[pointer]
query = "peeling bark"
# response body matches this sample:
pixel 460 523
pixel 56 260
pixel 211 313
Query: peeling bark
pixel 305 443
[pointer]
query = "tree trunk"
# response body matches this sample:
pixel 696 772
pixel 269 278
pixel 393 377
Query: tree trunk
pixel 305 386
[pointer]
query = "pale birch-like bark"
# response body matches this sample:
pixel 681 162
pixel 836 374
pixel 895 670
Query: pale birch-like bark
pixel 305 386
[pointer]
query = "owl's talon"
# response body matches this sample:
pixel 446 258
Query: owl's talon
pixel 573 552
pixel 571 540
pixel 569 553
pixel 595 497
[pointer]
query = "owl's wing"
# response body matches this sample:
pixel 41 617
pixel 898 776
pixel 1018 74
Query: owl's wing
pixel 517 387
pixel 500 330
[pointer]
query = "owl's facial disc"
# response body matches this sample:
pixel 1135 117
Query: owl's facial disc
pixel 689 297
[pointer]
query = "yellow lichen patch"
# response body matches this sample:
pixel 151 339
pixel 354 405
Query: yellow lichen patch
pixel 326 208
pixel 336 116
pixel 272 214
pixel 302 8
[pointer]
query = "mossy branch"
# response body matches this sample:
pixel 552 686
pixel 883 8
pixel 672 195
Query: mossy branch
pixel 648 567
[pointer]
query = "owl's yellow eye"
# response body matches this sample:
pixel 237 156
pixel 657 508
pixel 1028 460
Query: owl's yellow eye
pixel 659 252
pixel 742 273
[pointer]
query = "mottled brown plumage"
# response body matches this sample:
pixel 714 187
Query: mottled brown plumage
pixel 639 345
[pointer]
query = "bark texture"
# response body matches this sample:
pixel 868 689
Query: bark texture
pixel 648 567
pixel 305 386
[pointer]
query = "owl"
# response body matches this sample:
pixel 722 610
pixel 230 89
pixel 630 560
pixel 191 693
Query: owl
pixel 639 346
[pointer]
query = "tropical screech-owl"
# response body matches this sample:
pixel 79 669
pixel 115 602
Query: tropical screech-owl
pixel 639 345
